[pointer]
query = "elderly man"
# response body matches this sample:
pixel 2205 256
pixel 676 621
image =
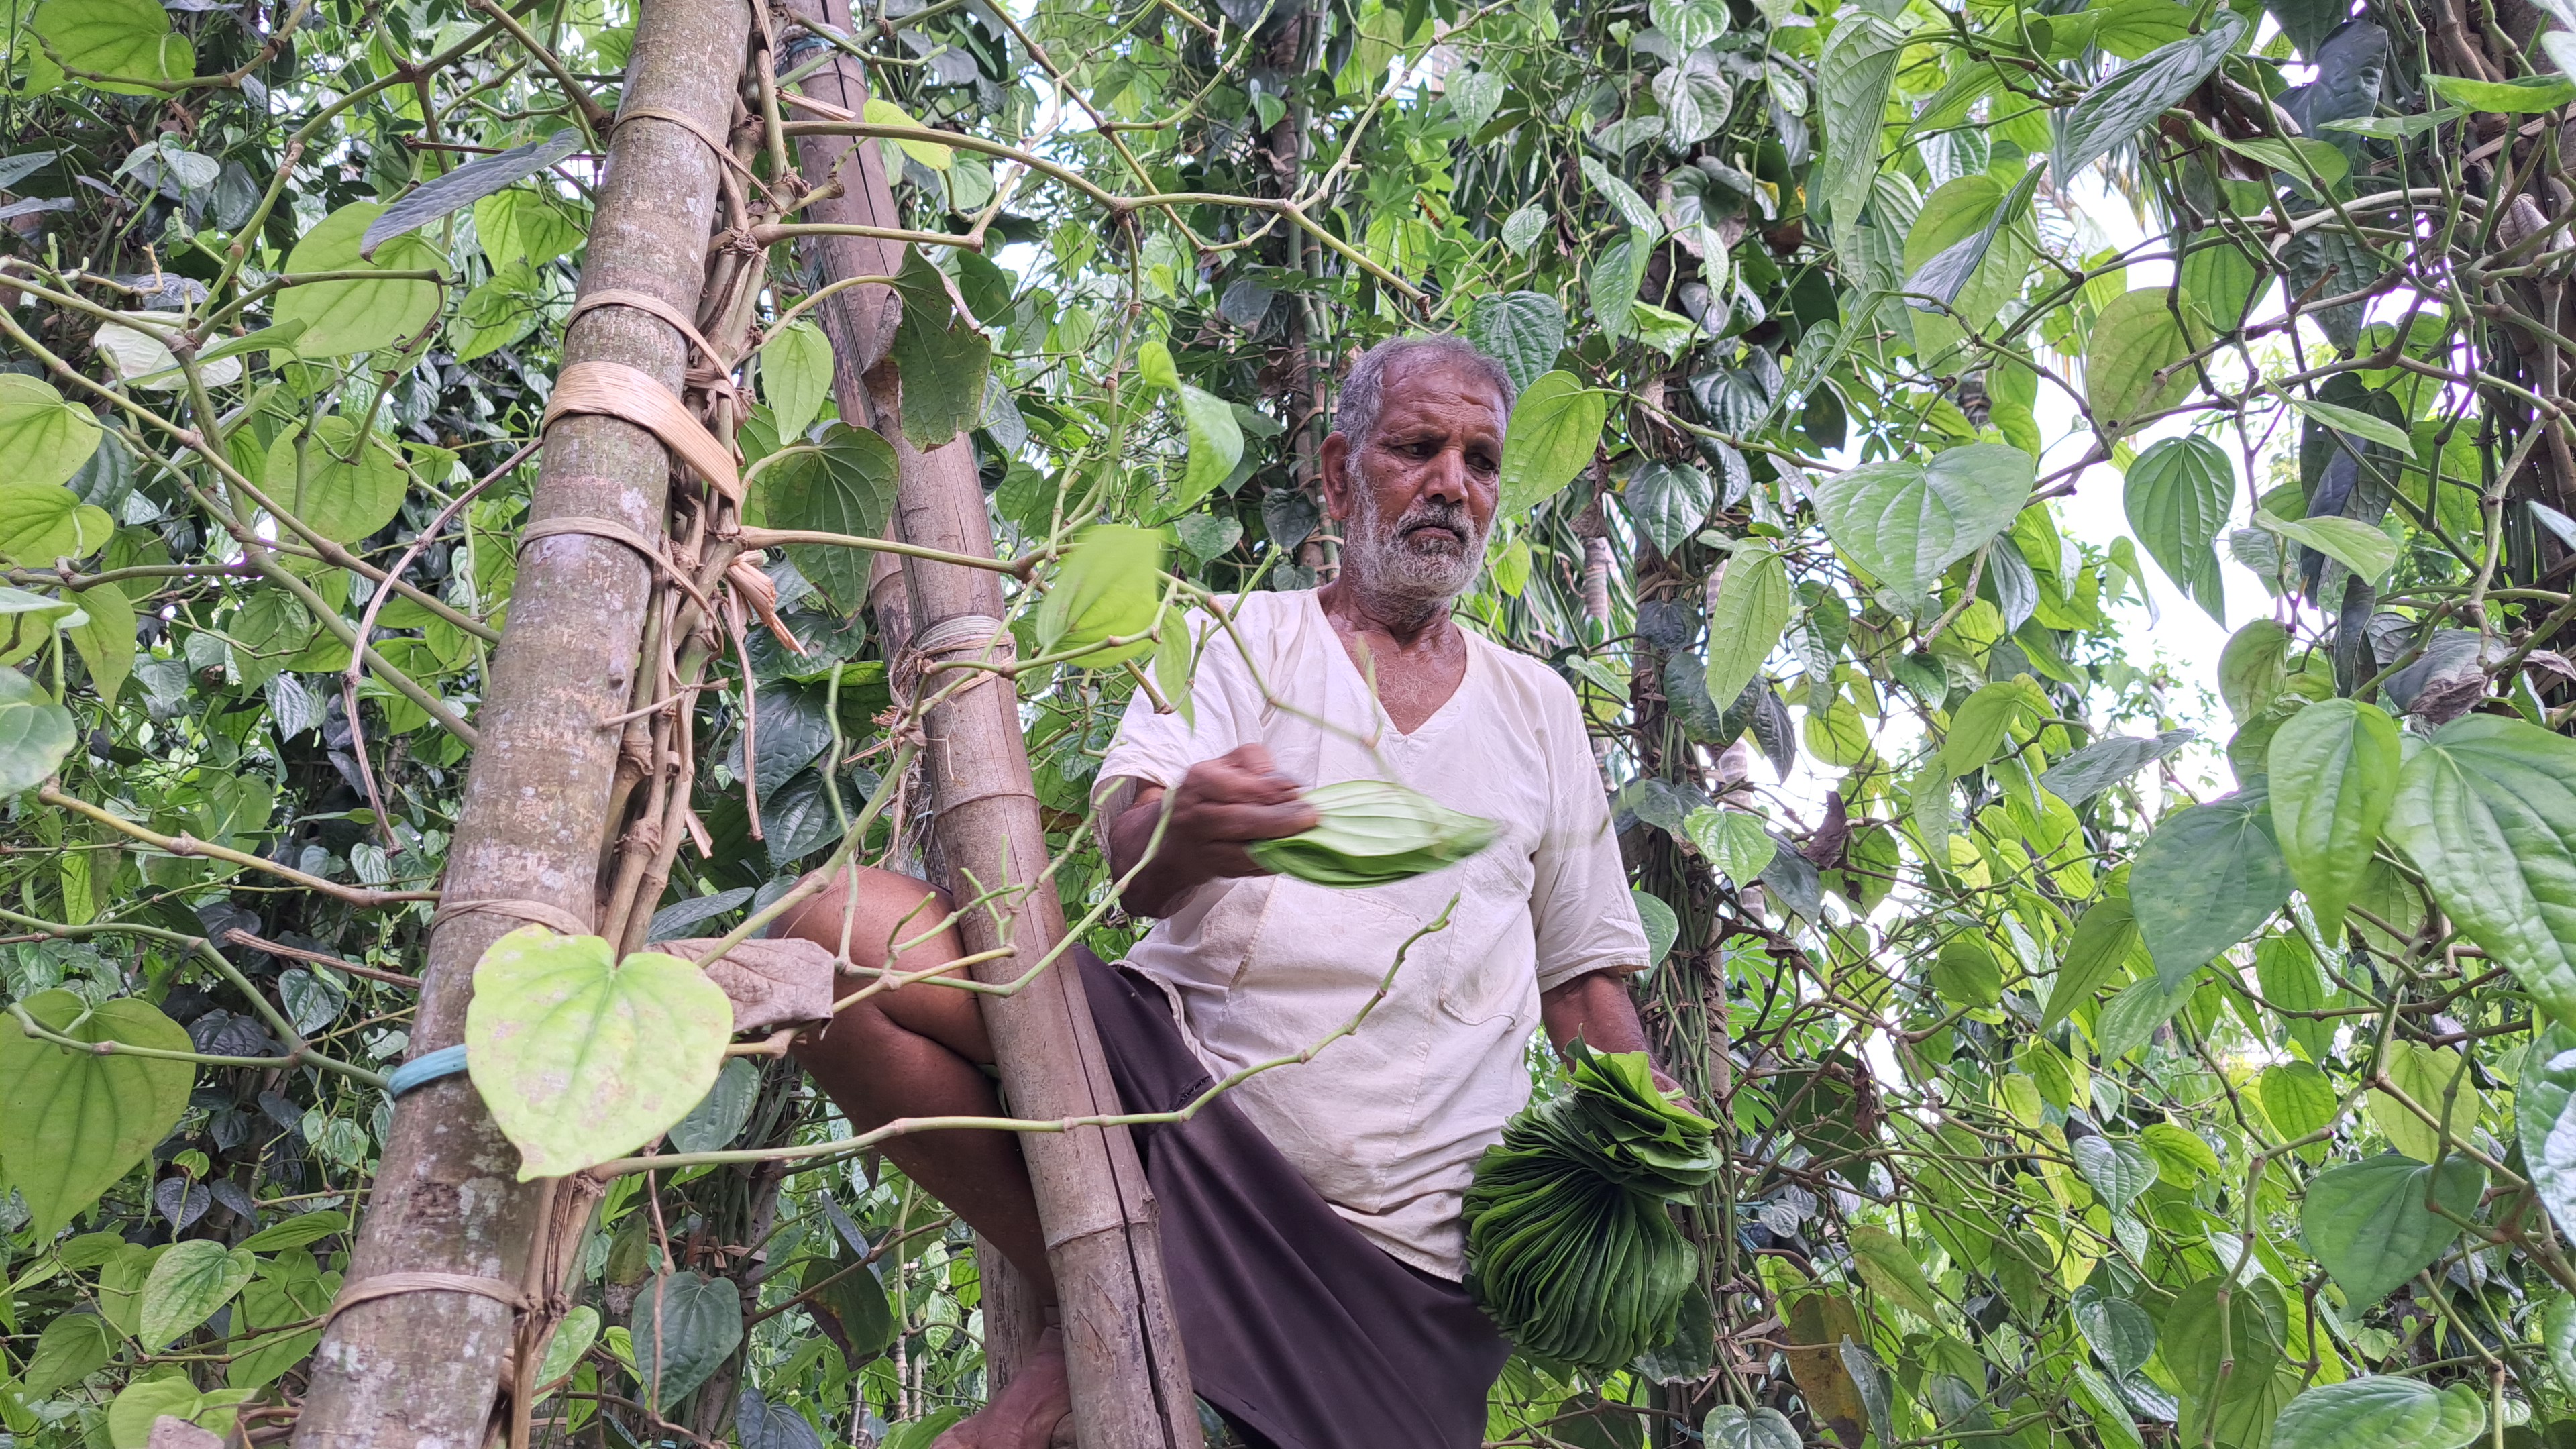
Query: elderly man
pixel 1311 1218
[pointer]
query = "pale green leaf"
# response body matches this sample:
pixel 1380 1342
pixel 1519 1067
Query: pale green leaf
pixel 78 1122
pixel 1554 429
pixel 340 486
pixel 44 438
pixel 582 1057
pixel 2487 812
pixel 796 377
pixel 1745 623
pixel 188 1283
pixel 1906 522
pixel 364 314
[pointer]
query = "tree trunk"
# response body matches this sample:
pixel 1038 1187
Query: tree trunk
pixel 1130 1384
pixel 422 1368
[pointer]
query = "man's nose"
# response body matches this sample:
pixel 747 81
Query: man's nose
pixel 1446 477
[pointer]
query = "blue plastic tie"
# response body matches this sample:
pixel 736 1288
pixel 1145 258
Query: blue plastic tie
pixel 420 1071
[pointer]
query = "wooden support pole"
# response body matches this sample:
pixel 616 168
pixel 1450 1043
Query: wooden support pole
pixel 1131 1387
pixel 422 1368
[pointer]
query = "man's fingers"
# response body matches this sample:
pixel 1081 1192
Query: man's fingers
pixel 1217 822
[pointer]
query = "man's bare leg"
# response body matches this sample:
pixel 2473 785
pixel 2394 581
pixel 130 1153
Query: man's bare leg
pixel 918 1051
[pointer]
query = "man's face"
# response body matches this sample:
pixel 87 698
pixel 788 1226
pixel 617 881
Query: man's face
pixel 1419 491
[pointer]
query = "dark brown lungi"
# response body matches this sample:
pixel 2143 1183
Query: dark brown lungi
pixel 1299 1329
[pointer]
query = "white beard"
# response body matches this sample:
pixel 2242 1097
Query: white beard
pixel 1411 566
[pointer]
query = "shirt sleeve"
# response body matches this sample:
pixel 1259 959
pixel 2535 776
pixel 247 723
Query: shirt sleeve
pixel 1585 918
pixel 1157 748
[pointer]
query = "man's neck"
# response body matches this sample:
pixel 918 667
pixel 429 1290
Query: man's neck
pixel 1412 624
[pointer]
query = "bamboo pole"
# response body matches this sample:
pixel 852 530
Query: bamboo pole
pixel 422 1368
pixel 1131 1387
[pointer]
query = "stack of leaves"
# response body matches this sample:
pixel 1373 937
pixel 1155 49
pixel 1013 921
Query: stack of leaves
pixel 1373 832
pixel 1569 1246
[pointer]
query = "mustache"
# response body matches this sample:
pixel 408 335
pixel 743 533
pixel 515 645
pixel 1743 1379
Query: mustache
pixel 1451 516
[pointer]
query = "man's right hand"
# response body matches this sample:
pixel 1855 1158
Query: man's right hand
pixel 1220 805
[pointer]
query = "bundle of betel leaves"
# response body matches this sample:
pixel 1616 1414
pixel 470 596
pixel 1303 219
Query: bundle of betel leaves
pixel 1373 832
pixel 1569 1246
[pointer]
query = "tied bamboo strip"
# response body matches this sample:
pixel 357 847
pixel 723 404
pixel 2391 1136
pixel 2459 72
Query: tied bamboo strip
pixel 629 394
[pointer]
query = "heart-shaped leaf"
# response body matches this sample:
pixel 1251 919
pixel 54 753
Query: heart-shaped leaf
pixel 582 1057
pixel 77 1122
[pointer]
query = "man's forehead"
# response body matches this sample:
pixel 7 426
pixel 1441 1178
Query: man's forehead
pixel 1417 384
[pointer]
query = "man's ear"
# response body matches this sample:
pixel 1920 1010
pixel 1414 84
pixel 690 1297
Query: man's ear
pixel 1336 460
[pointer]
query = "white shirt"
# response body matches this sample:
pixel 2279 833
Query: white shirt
pixel 1387 1122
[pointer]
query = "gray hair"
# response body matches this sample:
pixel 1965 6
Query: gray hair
pixel 1363 392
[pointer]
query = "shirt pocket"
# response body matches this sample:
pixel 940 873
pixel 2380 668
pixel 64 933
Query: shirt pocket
pixel 1493 983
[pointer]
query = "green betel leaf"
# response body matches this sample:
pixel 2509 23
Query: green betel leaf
pixel 685 1326
pixel 2333 773
pixel 2558 1336
pixel 2298 1097
pixel 2134 362
pixel 1373 832
pixel 2179 493
pixel 1907 522
pixel 845 484
pixel 712 1125
pixel 2487 812
pixel 2094 954
pixel 1524 331
pixel 1216 445
pixel 71 1348
pixel 78 1122
pixel 1554 428
pixel 1661 925
pixel 1110 586
pixel 2205 879
pixel 125 38
pixel 940 357
pixel 2541 1120
pixel 2524 96
pixel 2367 1224
pixel 2132 97
pixel 1985 721
pixel 44 438
pixel 582 1057
pixel 2105 763
pixel 526 225
pixel 39 523
pixel 572 1338
pixel 363 314
pixel 2381 1412
pixel 1732 842
pixel 2432 1077
pixel 2358 423
pixel 2253 667
pixel 1891 1272
pixel 188 1283
pixel 2348 541
pixel 1745 623
pixel 340 486
pixel 1669 501
pixel 2116 1169
pixel 297 1231
pixel 1731 1427
pixel 105 639
pixel 796 377
pixel 1853 75
pixel 1967 973
pixel 35 734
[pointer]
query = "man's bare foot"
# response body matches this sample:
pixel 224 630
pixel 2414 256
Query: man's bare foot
pixel 1029 1413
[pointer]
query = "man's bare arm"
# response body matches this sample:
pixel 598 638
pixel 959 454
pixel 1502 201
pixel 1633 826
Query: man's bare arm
pixel 1596 1007
pixel 1221 804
